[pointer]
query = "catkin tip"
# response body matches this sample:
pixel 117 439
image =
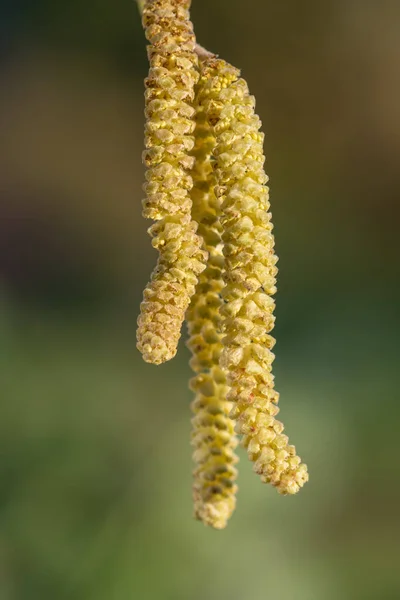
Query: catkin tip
pixel 215 514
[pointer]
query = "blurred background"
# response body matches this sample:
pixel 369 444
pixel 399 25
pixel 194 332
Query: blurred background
pixel 95 498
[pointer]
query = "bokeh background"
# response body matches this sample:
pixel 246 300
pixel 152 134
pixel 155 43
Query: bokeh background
pixel 95 499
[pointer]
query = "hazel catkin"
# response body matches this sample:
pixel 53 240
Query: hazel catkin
pixel 213 435
pixel 169 130
pixel 206 191
pixel 249 275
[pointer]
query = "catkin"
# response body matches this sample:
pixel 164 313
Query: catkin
pixel 213 435
pixel 169 140
pixel 250 277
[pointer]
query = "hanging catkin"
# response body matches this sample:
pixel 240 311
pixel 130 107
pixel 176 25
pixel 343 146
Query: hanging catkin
pixel 213 436
pixel 206 191
pixel 169 139
pixel 250 277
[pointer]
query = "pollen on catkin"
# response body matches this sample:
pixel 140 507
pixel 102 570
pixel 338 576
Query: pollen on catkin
pixel 169 140
pixel 213 435
pixel 249 275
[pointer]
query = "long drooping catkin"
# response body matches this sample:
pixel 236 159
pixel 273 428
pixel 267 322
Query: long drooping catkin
pixel 213 435
pixel 250 277
pixel 169 139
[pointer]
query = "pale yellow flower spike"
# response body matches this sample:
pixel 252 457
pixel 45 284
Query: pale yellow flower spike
pixel 213 435
pixel 250 277
pixel 169 139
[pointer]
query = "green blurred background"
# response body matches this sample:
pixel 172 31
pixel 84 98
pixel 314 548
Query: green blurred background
pixel 95 499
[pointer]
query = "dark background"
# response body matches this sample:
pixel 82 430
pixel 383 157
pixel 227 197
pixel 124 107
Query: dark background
pixel 95 499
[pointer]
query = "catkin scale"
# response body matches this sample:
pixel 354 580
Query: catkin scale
pixel 169 140
pixel 250 277
pixel 213 436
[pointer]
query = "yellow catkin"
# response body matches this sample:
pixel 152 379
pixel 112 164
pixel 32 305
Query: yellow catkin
pixel 169 140
pixel 213 435
pixel 250 277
